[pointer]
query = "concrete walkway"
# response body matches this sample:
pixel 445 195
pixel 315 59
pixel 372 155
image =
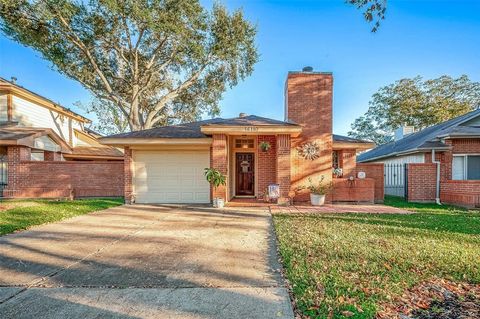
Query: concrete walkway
pixel 145 262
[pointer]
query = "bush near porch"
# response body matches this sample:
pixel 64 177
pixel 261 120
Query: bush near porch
pixel 351 265
pixel 22 214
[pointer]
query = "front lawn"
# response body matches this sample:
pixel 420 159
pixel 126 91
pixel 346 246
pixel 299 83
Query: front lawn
pixel 22 214
pixel 350 265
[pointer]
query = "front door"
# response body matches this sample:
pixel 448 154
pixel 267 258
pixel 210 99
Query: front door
pixel 245 179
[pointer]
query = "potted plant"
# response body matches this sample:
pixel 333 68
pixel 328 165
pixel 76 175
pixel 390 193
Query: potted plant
pixel 337 172
pixel 318 191
pixel 216 178
pixel 265 146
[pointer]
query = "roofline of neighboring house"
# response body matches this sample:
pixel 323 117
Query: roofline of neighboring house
pixel 407 152
pixel 146 141
pixel 10 88
pixel 459 135
pixel 29 140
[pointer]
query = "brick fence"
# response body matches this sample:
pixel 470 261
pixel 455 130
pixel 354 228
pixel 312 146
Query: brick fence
pixel 422 182
pixel 357 190
pixel 374 171
pixel 50 179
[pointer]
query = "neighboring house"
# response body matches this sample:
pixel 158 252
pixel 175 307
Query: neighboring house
pixel 455 144
pixel 166 164
pixel 35 129
pixel 52 132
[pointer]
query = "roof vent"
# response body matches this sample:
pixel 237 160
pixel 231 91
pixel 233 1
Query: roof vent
pixel 307 69
pixel 242 115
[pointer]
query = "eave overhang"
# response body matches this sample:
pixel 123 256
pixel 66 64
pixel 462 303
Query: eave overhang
pixel 293 130
pixel 112 141
pixel 356 146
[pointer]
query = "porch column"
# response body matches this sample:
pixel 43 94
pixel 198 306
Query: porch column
pixel 15 155
pixel 283 167
pixel 128 175
pixel 219 161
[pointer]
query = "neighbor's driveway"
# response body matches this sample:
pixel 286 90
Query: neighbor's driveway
pixel 145 262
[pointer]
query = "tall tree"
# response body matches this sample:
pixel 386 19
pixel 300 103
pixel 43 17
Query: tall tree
pixel 152 60
pixel 416 102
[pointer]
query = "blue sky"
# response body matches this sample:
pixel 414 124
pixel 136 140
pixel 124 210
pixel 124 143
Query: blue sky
pixel 418 37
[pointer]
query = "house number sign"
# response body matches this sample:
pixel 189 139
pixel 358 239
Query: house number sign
pixel 250 129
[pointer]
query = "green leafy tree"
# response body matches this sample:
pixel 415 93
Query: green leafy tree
pixel 416 102
pixel 152 62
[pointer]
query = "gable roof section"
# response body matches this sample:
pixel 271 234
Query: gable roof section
pixel 426 139
pixel 194 130
pixel 9 87
pixel 26 136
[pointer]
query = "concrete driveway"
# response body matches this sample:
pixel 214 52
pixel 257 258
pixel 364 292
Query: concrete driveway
pixel 145 262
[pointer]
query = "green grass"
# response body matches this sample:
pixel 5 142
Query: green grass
pixel 22 214
pixel 356 262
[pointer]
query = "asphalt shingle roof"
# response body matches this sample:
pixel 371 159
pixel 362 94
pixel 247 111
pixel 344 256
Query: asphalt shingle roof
pixel 424 139
pixel 348 139
pixel 193 130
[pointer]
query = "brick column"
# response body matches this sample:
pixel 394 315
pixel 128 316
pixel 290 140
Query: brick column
pixel 15 155
pixel 52 156
pixel 219 161
pixel 128 174
pixel 283 167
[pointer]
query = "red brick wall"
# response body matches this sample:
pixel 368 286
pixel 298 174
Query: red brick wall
pixel 284 167
pixel 463 193
pixel 309 103
pixel 219 161
pixel 422 182
pixel 128 174
pixel 37 179
pixel 267 163
pixel 376 172
pixel 358 190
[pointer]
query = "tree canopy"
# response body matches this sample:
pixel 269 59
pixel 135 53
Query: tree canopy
pixel 415 102
pixel 147 62
pixel 153 60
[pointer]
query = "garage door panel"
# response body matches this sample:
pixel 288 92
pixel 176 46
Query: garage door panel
pixel 171 176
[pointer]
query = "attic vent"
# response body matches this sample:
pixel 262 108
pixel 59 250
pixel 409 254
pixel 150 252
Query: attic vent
pixel 242 115
pixel 307 69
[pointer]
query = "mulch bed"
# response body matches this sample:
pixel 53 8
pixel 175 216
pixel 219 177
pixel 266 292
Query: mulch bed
pixel 437 299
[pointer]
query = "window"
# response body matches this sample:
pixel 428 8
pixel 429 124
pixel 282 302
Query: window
pixel 37 155
pixel 335 160
pixel 244 143
pixel 466 167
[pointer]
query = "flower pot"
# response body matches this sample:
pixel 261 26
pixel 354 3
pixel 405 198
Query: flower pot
pixel 317 200
pixel 218 203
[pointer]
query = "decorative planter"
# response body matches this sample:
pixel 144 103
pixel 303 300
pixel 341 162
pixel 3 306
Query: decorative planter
pixel 317 200
pixel 218 203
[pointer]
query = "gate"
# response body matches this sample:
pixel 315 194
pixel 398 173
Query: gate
pixel 395 179
pixel 3 174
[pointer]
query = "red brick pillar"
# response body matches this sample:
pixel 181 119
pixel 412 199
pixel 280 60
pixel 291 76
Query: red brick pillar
pixel 283 167
pixel 15 155
pixel 348 163
pixel 52 156
pixel 128 174
pixel 219 161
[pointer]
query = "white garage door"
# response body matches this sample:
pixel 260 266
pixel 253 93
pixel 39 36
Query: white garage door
pixel 171 176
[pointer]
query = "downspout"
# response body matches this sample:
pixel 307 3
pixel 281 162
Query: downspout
pixel 437 190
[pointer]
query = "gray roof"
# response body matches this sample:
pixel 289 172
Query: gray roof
pixel 193 130
pixel 425 139
pixel 348 139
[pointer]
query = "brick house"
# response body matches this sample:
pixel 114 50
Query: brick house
pixel 166 164
pixel 47 151
pixel 453 177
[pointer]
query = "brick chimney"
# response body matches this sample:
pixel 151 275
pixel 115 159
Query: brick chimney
pixel 308 102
